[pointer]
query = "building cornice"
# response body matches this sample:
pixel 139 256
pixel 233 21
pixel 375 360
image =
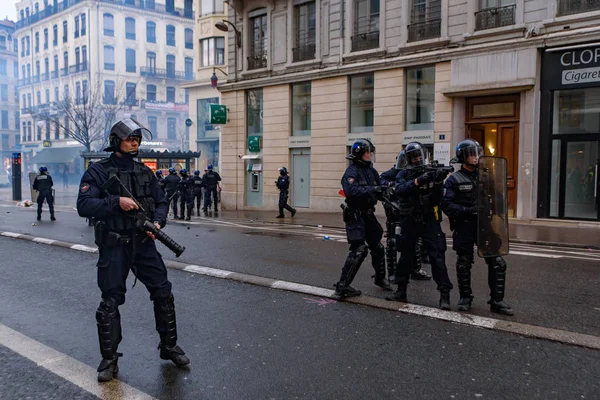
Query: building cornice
pixel 420 58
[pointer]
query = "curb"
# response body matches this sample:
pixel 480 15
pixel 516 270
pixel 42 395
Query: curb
pixel 531 331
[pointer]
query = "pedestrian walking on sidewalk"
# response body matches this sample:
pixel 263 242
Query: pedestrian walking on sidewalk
pixel 43 185
pixel 460 205
pixel 283 184
pixel 123 246
pixel 362 189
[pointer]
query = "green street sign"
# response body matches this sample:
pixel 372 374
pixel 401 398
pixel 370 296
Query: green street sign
pixel 254 144
pixel 218 114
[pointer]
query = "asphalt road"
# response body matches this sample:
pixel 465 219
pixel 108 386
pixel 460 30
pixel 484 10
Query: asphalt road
pixel 558 293
pixel 251 342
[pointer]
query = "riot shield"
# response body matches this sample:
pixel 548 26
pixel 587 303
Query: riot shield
pixel 492 202
pixel 34 193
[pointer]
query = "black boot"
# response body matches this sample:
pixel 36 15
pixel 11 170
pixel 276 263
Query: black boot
pixel 497 282
pixel 39 217
pixel 343 291
pixel 464 303
pixel 464 263
pixel 445 300
pixel 420 275
pixel 108 369
pixel 293 212
pixel 399 294
pixel 355 257
pixel 166 325
pixel 280 216
pixel 109 334
pixel 52 218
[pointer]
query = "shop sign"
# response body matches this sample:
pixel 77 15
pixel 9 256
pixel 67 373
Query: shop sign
pixel 441 153
pixel 353 137
pixel 571 67
pixel 254 144
pixel 424 137
pixel 299 141
pixel 218 114
pixel 47 143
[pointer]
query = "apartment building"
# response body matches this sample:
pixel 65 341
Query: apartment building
pixel 10 139
pixel 211 71
pixel 131 55
pixel 520 76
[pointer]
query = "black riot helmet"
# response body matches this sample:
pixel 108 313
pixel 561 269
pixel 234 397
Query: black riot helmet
pixel 125 128
pixel 401 161
pixel 283 171
pixel 415 155
pixel 359 148
pixel 466 149
pixel 183 172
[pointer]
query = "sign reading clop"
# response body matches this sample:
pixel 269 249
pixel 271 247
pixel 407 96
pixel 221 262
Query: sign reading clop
pixel 218 114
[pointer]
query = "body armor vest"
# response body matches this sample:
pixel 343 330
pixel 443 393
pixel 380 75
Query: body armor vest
pixel 137 181
pixel 365 177
pixel 419 203
pixel 465 190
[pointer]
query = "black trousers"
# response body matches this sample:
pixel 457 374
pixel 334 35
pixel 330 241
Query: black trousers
pixel 45 195
pixel 283 198
pixel 434 241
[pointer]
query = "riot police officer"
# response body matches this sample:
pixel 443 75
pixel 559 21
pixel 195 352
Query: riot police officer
pixel 123 246
pixel 283 184
pixel 197 194
pixel 172 189
pixel 160 178
pixel 362 188
pixel 186 191
pixel 211 180
pixel 43 185
pixel 460 205
pixel 388 178
pixel 419 191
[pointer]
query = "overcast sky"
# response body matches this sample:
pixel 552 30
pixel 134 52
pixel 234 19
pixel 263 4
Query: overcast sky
pixel 7 9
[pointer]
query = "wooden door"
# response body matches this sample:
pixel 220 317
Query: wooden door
pixel 508 147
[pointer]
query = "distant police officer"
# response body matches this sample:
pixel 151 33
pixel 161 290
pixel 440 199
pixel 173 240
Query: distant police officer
pixel 197 194
pixel 43 185
pixel 362 188
pixel 122 246
pixel 460 204
pixel 283 184
pixel 388 178
pixel 172 189
pixel 211 180
pixel 419 191
pixel 186 191
pixel 160 178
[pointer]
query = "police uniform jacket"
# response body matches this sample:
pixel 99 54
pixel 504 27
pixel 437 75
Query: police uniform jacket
pixel 359 182
pixel 417 200
pixel 460 194
pixel 198 184
pixel 43 182
pixel 211 179
pixel 171 183
pixel 283 182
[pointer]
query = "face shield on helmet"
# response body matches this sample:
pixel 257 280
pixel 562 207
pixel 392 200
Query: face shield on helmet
pixel 360 148
pixel 124 129
pixel 401 161
pixel 472 154
pixel 415 155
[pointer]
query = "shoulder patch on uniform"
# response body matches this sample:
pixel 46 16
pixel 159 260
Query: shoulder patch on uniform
pixel 350 180
pixel 84 187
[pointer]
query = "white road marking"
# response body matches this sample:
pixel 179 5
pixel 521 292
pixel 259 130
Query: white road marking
pixel 82 247
pixel 300 288
pixel 10 234
pixel 527 253
pixel 43 240
pixel 217 273
pixel 68 368
pixel 451 316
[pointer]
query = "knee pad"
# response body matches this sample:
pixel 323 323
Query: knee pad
pixel 496 263
pixel 378 251
pixel 361 252
pixel 464 261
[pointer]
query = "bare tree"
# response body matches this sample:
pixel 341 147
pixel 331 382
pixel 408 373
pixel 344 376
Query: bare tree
pixel 183 136
pixel 88 116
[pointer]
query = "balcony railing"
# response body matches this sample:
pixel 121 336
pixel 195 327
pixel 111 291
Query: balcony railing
pixel 109 66
pixel 257 60
pixel 568 7
pixel 495 17
pixel 51 10
pixel 36 79
pixel 64 71
pixel 425 30
pixel 304 53
pixel 365 41
pixel 54 74
pixel 131 102
pixel 45 76
pixel 163 73
pixel 24 81
pixel 81 67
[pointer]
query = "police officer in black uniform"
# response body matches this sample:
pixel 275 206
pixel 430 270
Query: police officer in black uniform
pixel 160 178
pixel 197 194
pixel 211 180
pixel 388 178
pixel 43 185
pixel 362 188
pixel 122 246
pixel 419 191
pixel 186 191
pixel 172 189
pixel 460 205
pixel 283 184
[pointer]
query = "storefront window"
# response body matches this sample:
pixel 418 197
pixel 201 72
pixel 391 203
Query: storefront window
pixel 580 196
pixel 205 128
pixel 254 105
pixel 555 179
pixel 420 98
pixel 576 111
pixel 301 109
pixel 361 103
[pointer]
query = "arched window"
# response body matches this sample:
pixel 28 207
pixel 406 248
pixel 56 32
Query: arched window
pixel 130 28
pixel 170 35
pixel 150 32
pixel 109 58
pixel 109 25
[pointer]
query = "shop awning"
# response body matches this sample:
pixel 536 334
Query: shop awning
pixel 60 155
pixel 251 157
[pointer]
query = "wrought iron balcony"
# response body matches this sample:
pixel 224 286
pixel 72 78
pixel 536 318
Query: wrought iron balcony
pixel 425 30
pixel 24 81
pixel 81 67
pixel 36 79
pixel 45 76
pixel 64 71
pixel 304 53
pixel 365 41
pixel 495 17
pixel 257 60
pixel 131 102
pixel 568 7
pixel 54 74
pixel 163 73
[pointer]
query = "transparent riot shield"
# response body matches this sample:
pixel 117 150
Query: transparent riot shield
pixel 492 202
pixel 34 193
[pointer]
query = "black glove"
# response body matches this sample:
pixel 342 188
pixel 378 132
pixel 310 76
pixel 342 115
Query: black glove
pixel 424 179
pixel 378 191
pixel 440 175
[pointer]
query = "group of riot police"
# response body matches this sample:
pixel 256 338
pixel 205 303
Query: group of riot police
pixel 414 194
pixel 188 190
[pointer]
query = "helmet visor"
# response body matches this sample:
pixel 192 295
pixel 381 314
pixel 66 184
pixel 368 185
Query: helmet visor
pixel 472 154
pixel 415 157
pixel 401 162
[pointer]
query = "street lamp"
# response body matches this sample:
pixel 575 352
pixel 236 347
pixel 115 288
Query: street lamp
pixel 224 25
pixel 214 79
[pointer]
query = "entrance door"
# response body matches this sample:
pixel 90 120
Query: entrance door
pixel 580 197
pixel 301 179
